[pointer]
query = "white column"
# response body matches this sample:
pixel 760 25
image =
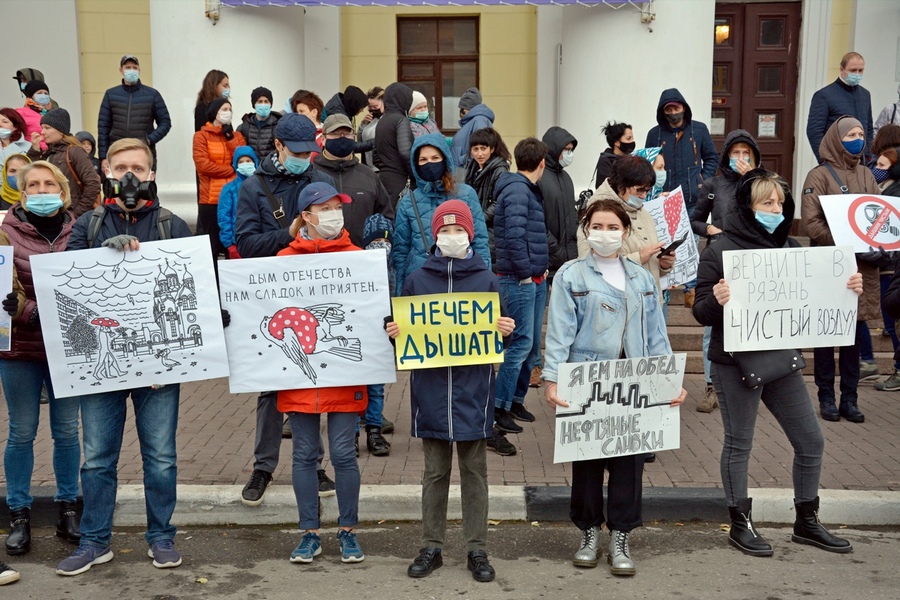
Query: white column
pixel 549 38
pixel 322 51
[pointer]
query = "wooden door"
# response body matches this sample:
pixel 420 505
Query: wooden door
pixel 755 78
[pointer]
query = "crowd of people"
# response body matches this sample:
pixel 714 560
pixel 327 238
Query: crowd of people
pixel 455 214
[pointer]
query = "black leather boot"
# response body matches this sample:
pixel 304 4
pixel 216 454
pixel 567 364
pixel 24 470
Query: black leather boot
pixel 850 411
pixel 808 530
pixel 19 540
pixel 68 527
pixel 743 535
pixel 829 411
pixel 375 442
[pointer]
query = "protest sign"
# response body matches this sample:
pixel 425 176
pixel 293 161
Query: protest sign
pixel 618 407
pixel 121 320
pixel 6 281
pixel 307 321
pixel 789 298
pixel 863 221
pixel 672 223
pixel 441 330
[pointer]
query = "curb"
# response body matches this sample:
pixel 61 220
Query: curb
pixel 210 505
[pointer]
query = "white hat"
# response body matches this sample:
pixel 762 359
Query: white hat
pixel 418 98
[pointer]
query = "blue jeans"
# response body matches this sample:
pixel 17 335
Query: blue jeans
pixel 22 381
pixel 707 336
pixel 535 359
pixel 103 421
pixel 866 353
pixel 375 408
pixel 341 436
pixel 519 300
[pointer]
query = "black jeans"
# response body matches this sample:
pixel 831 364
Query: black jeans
pixel 624 492
pixel 848 363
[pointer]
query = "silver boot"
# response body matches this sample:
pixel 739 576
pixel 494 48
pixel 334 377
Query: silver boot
pixel 619 556
pixel 587 553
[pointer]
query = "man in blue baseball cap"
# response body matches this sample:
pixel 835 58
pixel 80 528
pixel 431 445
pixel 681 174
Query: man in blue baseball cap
pixel 268 219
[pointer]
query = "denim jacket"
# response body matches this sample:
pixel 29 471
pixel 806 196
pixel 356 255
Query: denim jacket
pixel 591 320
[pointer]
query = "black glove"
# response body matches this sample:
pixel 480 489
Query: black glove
pixel 880 258
pixel 226 318
pixel 35 319
pixel 228 132
pixel 11 304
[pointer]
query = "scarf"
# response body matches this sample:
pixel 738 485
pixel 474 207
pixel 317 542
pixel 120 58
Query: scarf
pixel 35 106
pixel 7 193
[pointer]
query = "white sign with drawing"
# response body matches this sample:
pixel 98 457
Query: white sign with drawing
pixel 6 284
pixel 672 223
pixel 618 407
pixel 307 321
pixel 120 320
pixel 863 221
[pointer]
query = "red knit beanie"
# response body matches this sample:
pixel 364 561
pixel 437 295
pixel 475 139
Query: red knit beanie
pixel 453 212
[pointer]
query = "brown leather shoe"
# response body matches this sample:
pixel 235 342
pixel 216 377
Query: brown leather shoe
pixel 689 298
pixel 535 378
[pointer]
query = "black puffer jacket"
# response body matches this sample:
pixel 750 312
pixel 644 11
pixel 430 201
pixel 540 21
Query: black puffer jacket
pixel 259 135
pixel 604 166
pixel 559 201
pixel 130 111
pixel 141 223
pixel 393 140
pixel 742 232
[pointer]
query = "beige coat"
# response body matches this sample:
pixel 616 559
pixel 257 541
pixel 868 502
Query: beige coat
pixel 643 233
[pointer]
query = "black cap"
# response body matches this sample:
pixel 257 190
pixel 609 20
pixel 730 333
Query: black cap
pixel 128 57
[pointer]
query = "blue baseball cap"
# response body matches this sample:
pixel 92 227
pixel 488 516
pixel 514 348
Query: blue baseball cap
pixel 318 193
pixel 297 132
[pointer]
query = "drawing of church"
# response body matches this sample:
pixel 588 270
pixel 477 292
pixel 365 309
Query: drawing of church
pixel 174 308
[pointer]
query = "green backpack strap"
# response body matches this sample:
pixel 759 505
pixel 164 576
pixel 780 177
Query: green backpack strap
pixel 164 223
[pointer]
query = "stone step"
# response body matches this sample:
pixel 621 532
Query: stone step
pixel 885 362
pixel 691 338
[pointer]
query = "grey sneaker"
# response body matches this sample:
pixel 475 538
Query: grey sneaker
pixel 164 554
pixel 83 559
pixel 619 557
pixel 587 553
pixel 710 401
pixel 868 371
pixel 891 384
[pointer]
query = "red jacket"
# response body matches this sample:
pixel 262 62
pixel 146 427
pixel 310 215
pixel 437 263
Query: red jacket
pixel 351 398
pixel 212 159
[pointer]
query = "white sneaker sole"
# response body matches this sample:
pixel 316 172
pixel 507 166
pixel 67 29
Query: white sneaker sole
pixel 9 577
pixel 159 565
pixel 103 558
pixel 300 559
pixel 352 559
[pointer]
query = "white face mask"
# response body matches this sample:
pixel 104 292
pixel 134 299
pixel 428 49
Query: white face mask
pixel 605 243
pixel 453 245
pixel 330 223
pixel 224 117
pixel 566 159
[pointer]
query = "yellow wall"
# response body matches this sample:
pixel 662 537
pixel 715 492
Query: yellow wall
pixel 508 59
pixel 839 42
pixel 107 30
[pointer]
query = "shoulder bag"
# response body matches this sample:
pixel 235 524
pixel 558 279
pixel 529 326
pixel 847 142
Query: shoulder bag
pixel 761 367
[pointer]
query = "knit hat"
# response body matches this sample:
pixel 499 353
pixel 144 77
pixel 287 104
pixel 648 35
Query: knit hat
pixel 377 227
pixel 453 212
pixel 34 86
pixel 212 109
pixel 470 99
pixel 260 92
pixel 354 100
pixel 845 124
pixel 418 98
pixel 58 119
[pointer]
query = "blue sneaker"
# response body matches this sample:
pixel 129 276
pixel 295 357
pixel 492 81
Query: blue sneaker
pixel 164 554
pixel 351 552
pixel 310 546
pixel 83 559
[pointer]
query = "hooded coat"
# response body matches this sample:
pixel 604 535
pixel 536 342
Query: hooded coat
pixel 831 103
pixel 85 136
pixel 560 214
pixel 412 244
pixel 717 194
pixel 820 182
pixel 604 166
pixel 393 141
pixel 742 232
pixel 478 118
pixel 689 150
pixel 484 181
pixel 213 160
pixel 259 135
pixel 519 232
pixel 226 212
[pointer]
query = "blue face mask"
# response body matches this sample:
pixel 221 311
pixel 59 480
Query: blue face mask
pixel 42 99
pixel 854 147
pixel 732 164
pixel 770 221
pixel 5 133
pixel 43 205
pixel 340 147
pixel 295 165
pixel 661 177
pixel 131 75
pixel 881 175
pixel 22 85
pixel 263 110
pixel 854 79
pixel 11 181
pixel 635 201
pixel 246 169
pixel 226 92
pixel 420 117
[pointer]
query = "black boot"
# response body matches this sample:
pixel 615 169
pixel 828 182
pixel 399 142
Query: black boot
pixel 828 410
pixel 19 540
pixel 808 530
pixel 743 535
pixel 375 442
pixel 68 527
pixel 850 411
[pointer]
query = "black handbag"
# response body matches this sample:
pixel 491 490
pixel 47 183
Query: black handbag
pixel 765 366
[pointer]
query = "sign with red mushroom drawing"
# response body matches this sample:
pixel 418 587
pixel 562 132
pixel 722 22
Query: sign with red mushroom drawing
pixel 305 321
pixel 120 320
pixel 672 223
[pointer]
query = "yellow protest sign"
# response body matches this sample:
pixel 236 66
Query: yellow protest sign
pixel 442 330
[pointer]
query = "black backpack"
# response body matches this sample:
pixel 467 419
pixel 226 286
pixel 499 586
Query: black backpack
pixel 163 224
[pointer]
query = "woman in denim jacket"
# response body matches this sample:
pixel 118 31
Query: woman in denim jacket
pixel 604 307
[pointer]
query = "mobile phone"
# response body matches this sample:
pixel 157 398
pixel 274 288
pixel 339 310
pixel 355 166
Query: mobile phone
pixel 671 247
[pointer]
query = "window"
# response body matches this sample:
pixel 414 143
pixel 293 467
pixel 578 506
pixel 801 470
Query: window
pixel 438 56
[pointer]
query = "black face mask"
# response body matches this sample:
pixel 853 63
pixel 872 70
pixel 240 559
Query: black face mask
pixel 129 189
pixel 376 114
pixel 432 171
pixel 675 118
pixel 627 148
pixel 341 147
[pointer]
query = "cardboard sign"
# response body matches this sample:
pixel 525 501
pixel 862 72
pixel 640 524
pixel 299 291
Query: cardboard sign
pixel 672 223
pixel 121 320
pixel 305 321
pixel 6 282
pixel 789 298
pixel 441 330
pixel 618 407
pixel 863 221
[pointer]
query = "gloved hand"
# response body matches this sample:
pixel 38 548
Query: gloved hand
pixel 35 319
pixel 226 318
pixel 879 257
pixel 11 304
pixel 120 242
pixel 233 251
pixel 228 132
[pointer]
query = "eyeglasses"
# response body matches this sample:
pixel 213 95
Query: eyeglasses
pixel 643 191
pixel 337 136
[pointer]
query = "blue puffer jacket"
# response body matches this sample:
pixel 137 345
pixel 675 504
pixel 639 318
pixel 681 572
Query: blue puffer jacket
pixel 478 118
pixel 689 159
pixel 408 252
pixel 256 229
pixel 129 111
pixel 452 403
pixel 833 102
pixel 141 223
pixel 228 198
pixel 520 236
